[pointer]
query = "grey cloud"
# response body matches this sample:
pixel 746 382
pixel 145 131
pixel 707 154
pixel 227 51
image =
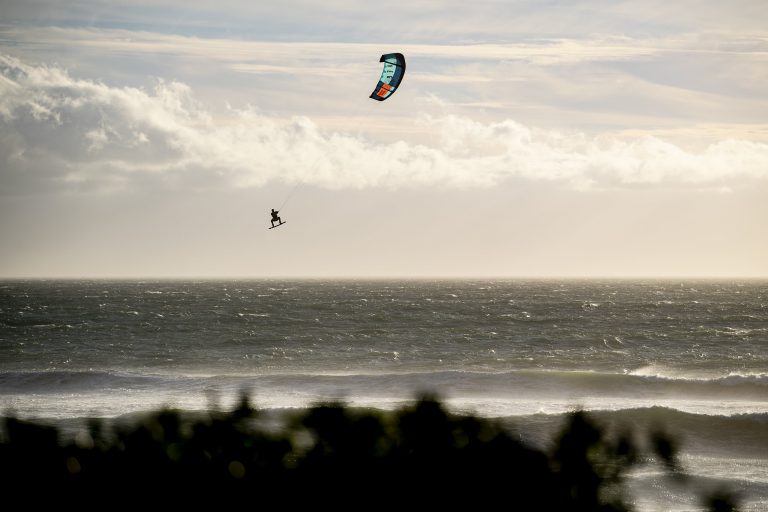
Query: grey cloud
pixel 424 21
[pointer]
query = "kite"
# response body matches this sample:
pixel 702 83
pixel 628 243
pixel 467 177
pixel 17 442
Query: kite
pixel 391 75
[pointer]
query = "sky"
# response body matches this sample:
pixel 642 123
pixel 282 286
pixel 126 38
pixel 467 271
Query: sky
pixel 529 138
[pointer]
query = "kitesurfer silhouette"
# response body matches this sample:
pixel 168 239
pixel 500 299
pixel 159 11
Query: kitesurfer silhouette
pixel 275 218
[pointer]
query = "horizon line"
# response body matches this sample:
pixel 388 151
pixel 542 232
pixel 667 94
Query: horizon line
pixel 382 277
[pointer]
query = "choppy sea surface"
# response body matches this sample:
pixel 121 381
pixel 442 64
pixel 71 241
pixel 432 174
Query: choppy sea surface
pixel 689 355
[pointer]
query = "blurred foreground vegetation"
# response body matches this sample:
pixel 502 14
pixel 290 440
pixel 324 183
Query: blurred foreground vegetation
pixel 328 455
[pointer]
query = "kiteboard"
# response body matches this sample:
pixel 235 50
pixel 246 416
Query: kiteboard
pixel 278 225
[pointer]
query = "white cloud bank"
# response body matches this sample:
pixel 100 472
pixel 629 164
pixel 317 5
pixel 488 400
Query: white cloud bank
pixel 61 131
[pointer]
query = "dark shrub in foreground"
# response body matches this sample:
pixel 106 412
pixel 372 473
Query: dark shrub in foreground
pixel 327 455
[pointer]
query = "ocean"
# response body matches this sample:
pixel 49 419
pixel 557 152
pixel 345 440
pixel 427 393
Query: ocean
pixel 690 356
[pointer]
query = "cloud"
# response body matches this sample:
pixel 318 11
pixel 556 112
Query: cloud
pixel 600 80
pixel 424 21
pixel 59 131
pixel 278 55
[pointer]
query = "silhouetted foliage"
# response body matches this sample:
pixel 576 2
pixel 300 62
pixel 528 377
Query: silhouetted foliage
pixel 721 501
pixel 328 454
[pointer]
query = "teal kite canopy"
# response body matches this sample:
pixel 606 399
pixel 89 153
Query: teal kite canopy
pixel 391 76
